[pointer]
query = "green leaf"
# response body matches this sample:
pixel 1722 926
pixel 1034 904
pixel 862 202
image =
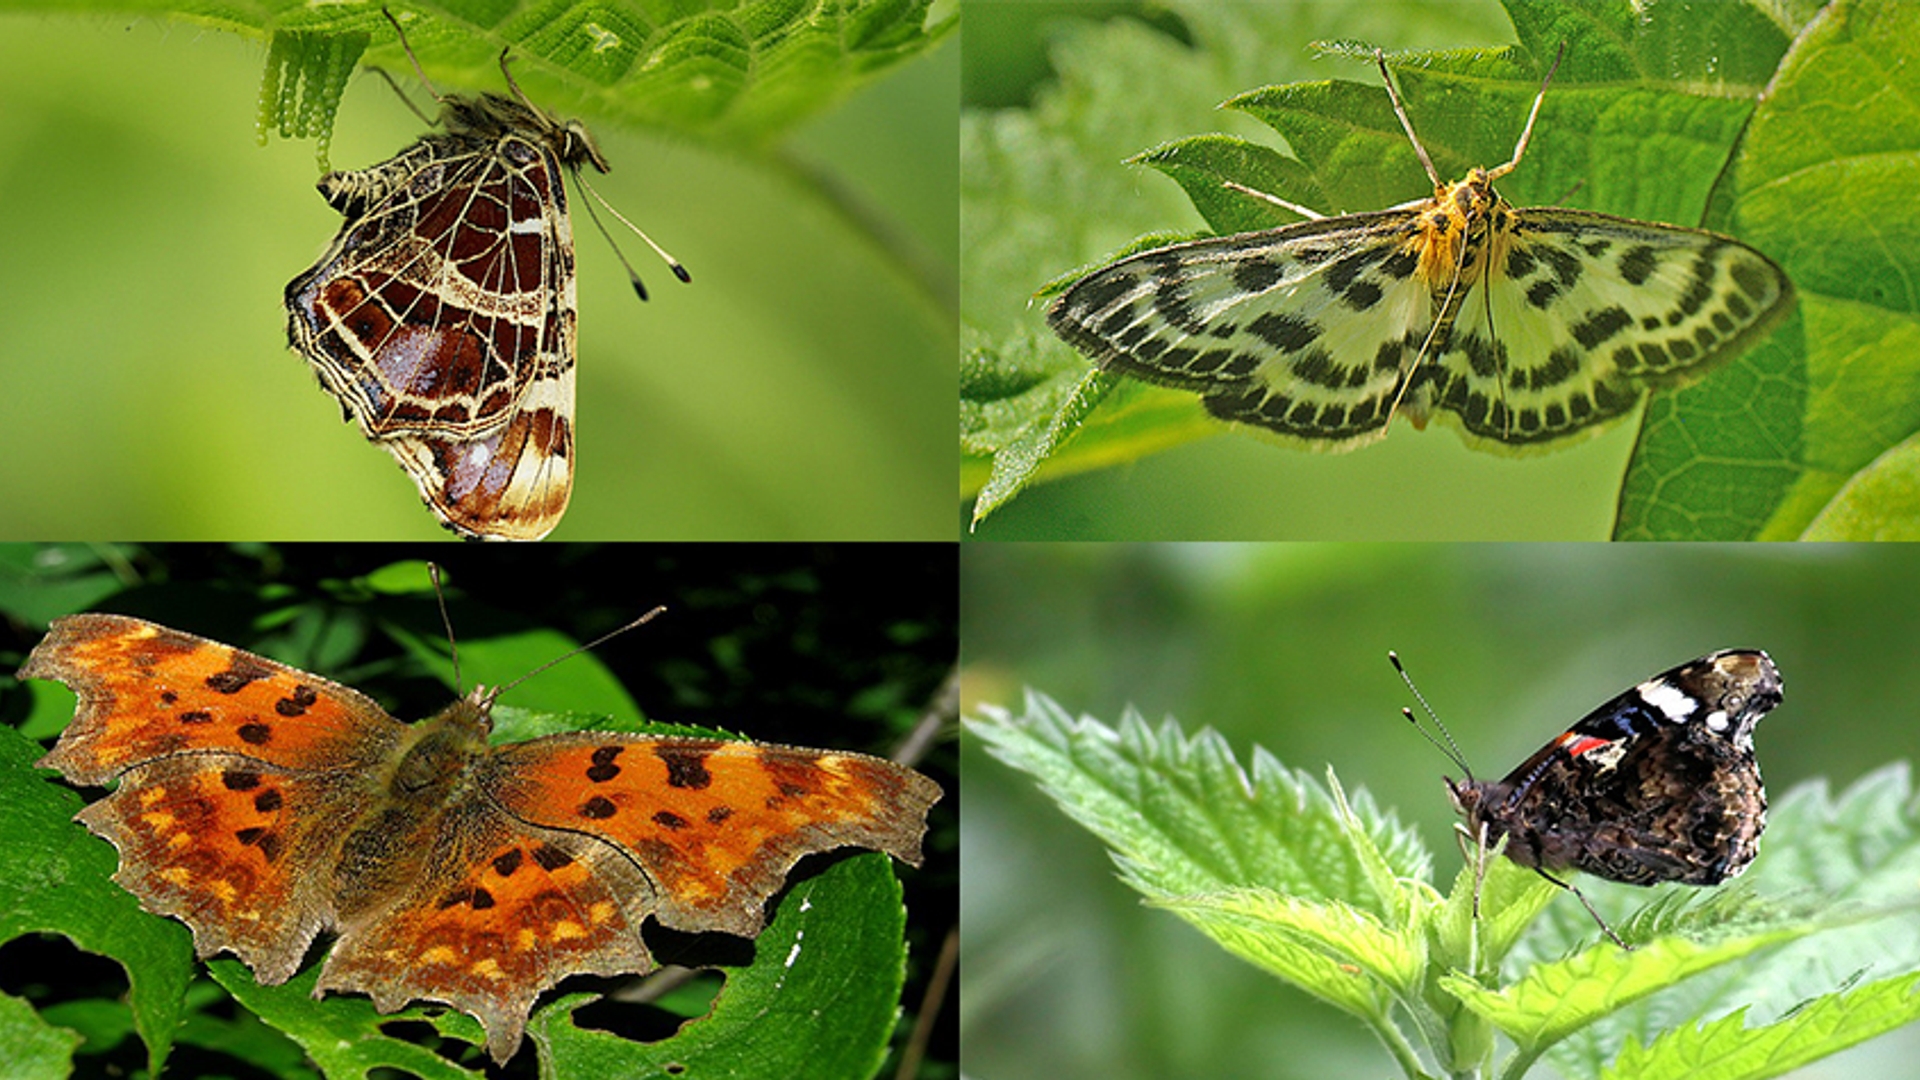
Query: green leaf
pixel 59 882
pixel 340 1032
pixel 1555 999
pixel 1826 183
pixel 1644 120
pixel 1328 950
pixel 1509 897
pixel 1185 820
pixel 832 950
pixel 1880 502
pixel 32 1048
pixel 736 73
pixel 1298 880
pixel 1727 1049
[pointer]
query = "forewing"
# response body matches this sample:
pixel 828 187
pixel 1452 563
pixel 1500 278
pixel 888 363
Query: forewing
pixel 1580 313
pixel 1302 330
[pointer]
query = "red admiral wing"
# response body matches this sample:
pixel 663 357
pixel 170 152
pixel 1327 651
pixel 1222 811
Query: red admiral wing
pixel 1659 784
pixel 442 317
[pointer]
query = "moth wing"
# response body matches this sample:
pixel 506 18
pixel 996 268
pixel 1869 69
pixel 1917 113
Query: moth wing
pixel 1579 313
pixel 1303 330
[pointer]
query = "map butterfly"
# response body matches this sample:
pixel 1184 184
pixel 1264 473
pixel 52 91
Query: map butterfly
pixel 442 316
pixel 1659 784
pixel 1523 328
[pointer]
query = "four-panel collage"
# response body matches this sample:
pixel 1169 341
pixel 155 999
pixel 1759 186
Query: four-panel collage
pixel 484 593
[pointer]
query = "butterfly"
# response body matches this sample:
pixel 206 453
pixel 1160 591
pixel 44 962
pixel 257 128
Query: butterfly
pixel 263 805
pixel 1659 784
pixel 442 316
pixel 1523 328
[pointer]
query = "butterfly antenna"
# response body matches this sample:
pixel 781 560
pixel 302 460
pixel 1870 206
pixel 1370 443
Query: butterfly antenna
pixel 1449 748
pixel 673 264
pixel 417 69
pixel 440 596
pixel 1401 111
pixel 570 654
pixel 1527 132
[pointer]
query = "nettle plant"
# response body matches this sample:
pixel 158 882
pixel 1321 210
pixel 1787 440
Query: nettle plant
pixel 1813 951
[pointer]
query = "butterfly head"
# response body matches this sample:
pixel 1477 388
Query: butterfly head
pixel 490 116
pixel 1730 691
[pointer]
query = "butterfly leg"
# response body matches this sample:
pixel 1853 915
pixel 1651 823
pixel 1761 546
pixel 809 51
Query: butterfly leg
pixel 1584 902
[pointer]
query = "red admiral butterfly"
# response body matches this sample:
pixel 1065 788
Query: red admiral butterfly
pixel 1659 784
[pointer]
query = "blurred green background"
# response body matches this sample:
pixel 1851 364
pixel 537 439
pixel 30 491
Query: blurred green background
pixel 802 386
pixel 1055 97
pixel 1284 645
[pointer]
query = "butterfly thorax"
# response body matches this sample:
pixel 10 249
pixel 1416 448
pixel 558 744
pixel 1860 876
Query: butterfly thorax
pixel 403 826
pixel 492 118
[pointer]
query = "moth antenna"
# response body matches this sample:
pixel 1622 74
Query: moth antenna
pixel 1450 748
pixel 417 69
pixel 577 650
pixel 1400 110
pixel 1527 132
pixel 453 648
pixel 673 264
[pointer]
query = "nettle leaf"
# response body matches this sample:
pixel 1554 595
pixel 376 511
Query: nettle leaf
pixel 1553 1000
pixel 1344 956
pixel 1644 120
pixel 730 73
pixel 1727 1049
pixel 1184 819
pixel 1279 870
pixel 1333 897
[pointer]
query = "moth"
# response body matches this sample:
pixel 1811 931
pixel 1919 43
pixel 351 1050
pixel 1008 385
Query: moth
pixel 442 317
pixel 1523 328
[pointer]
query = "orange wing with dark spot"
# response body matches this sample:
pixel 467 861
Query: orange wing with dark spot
pixel 715 825
pixel 147 692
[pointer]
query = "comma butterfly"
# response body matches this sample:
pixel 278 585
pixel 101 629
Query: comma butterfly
pixel 262 805
pixel 442 317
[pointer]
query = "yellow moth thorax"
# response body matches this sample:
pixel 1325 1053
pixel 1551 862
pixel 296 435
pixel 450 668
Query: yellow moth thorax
pixel 1454 231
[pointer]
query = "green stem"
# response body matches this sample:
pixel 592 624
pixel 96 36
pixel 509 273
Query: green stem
pixel 1397 1045
pixel 1517 1065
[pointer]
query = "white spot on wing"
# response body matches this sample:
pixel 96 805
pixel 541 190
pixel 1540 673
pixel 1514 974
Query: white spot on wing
pixel 1666 697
